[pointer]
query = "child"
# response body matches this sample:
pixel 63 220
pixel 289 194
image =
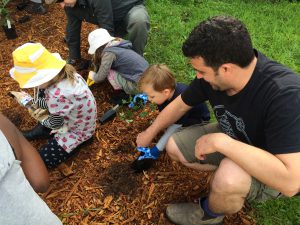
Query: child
pixel 114 59
pixel 68 108
pixel 22 172
pixel 161 88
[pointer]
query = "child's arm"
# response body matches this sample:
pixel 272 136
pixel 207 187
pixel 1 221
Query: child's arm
pixel 53 122
pixel 106 61
pixel 32 164
pixel 40 103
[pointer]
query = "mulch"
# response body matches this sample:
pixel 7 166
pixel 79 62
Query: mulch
pixel 97 185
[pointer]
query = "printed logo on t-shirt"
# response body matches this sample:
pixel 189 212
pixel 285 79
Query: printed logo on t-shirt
pixel 231 124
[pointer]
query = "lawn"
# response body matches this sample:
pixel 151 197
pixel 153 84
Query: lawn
pixel 274 28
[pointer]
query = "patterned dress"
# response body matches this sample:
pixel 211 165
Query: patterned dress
pixel 76 104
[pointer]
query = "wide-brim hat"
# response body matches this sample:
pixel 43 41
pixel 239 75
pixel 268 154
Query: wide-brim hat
pixel 98 38
pixel 34 65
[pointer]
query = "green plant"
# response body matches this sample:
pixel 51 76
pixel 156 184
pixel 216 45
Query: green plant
pixel 5 19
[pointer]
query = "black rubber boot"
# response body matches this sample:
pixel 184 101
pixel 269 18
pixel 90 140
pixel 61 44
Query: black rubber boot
pixel 80 64
pixel 118 97
pixel 38 132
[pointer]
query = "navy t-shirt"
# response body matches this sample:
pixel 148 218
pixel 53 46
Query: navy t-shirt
pixel 195 115
pixel 265 114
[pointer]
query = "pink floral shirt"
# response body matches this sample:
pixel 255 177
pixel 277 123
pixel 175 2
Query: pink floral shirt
pixel 76 103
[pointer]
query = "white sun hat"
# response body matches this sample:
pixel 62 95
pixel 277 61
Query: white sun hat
pixel 34 65
pixel 97 38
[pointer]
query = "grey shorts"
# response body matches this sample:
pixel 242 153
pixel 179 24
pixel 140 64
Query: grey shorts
pixel 186 139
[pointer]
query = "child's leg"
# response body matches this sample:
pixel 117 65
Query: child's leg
pixel 112 78
pixel 53 154
pixel 119 82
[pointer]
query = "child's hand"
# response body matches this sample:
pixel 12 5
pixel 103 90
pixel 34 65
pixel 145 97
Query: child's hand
pixel 139 97
pixel 90 80
pixel 22 98
pixel 39 114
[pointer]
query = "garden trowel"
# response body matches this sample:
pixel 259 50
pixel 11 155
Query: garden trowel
pixel 110 114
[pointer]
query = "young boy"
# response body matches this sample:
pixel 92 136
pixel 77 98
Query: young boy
pixel 159 84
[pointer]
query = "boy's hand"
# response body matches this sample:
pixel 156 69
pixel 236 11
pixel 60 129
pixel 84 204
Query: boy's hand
pixel 139 97
pixel 39 114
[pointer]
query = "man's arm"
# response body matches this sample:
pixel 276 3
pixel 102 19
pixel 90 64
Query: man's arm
pixel 281 171
pixel 32 164
pixel 169 115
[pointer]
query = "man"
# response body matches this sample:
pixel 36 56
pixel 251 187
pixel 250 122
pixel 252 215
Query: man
pixel 116 16
pixel 255 146
pixel 22 172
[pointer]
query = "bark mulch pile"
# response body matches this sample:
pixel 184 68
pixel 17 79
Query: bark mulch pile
pixel 97 185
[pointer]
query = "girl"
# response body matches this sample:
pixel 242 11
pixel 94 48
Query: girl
pixel 67 107
pixel 114 59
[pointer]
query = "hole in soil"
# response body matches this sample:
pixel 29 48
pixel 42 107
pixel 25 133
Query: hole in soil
pixel 120 179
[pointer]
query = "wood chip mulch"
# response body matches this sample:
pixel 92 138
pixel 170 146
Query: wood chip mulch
pixel 97 185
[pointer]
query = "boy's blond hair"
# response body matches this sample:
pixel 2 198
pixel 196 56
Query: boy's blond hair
pixel 159 76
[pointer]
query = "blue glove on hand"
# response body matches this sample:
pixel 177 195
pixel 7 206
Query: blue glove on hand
pixel 152 153
pixel 143 97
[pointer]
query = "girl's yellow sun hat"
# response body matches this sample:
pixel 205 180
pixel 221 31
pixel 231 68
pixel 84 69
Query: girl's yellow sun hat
pixel 34 65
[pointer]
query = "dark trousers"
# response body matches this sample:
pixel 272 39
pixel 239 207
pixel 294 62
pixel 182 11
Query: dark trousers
pixel 136 24
pixel 53 154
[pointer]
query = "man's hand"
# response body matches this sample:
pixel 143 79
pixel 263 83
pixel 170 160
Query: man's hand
pixel 210 143
pixel 39 114
pixel 144 139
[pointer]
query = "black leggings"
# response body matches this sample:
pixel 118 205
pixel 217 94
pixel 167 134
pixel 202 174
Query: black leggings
pixel 53 154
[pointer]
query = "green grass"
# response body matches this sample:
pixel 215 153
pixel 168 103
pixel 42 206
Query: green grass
pixel 283 211
pixel 274 28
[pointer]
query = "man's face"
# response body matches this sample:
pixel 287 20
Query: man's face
pixel 214 78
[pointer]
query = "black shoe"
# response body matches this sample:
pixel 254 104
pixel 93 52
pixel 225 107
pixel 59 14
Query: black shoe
pixel 38 132
pixel 80 64
pixel 118 97
pixel 139 165
pixel 35 8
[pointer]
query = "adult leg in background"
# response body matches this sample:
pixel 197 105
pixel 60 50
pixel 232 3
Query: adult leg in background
pixel 137 22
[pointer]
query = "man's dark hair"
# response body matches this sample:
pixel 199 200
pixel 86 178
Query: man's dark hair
pixel 219 40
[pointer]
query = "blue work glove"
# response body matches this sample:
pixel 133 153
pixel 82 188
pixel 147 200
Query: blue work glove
pixel 146 159
pixel 137 97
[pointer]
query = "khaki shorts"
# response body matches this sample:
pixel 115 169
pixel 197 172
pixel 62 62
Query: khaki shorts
pixel 186 139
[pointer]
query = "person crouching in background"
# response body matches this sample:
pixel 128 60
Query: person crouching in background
pixel 114 59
